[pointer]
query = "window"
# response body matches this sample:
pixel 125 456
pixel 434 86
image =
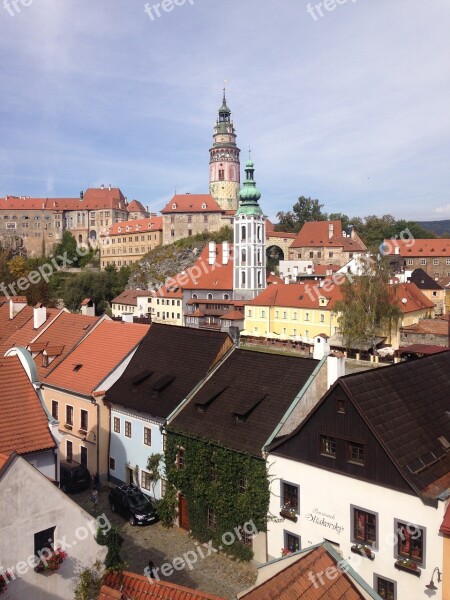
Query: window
pixel 322 318
pixel 69 415
pixel 244 537
pixel 84 420
pixel 386 588
pixel 364 525
pixel 249 312
pixel 242 484
pixel 116 425
pixel 290 496
pixel 356 453
pixel 447 261
pixel 294 316
pixel 340 406
pixel 411 542
pixel 83 456
pixel 330 255
pixel 44 540
pixel 212 519
pixel 284 314
pixel 205 218
pixel 328 446
pixel 55 409
pixel 180 459
pixel 147 436
pixel 435 261
pixel 319 255
pixel 306 316
pixel 145 480
pixel 410 261
pixel 423 261
pixel 127 429
pixel 263 314
pixel 292 542
pixel 311 255
pixel 69 451
pixel 189 218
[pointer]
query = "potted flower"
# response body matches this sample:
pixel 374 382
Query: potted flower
pixel 363 550
pixel 52 563
pixel 285 551
pixel 4 580
pixel 288 512
pixel 405 564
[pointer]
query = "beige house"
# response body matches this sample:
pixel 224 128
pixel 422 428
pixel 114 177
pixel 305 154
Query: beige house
pixel 131 303
pixel 127 242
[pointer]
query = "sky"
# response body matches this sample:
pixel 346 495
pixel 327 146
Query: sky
pixel 349 104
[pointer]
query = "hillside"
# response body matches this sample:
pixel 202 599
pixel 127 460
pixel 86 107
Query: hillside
pixel 167 261
pixel 438 227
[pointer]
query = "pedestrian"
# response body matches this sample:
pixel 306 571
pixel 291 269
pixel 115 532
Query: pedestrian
pixel 97 482
pixel 94 498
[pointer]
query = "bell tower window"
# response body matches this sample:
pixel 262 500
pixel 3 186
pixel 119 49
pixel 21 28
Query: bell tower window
pixel 221 174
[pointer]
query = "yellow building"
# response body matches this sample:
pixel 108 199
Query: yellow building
pixel 127 242
pixel 296 311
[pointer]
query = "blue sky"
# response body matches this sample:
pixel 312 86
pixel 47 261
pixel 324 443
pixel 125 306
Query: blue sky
pixel 352 107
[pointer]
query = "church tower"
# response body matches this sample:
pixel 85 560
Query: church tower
pixel 224 165
pixel 249 277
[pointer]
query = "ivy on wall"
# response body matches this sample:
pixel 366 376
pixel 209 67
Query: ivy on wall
pixel 233 485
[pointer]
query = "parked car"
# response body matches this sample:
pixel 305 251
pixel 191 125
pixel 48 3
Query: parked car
pixel 129 501
pixel 73 477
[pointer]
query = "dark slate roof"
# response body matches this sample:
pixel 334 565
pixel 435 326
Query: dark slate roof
pixel 169 362
pixel 245 399
pixel 407 406
pixel 423 281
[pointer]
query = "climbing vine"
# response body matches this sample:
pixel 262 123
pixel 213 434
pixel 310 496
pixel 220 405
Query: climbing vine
pixel 233 486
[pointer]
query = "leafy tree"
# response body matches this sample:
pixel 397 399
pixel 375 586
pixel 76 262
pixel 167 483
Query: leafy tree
pixel 286 222
pixel 366 310
pixel 67 245
pixel 100 286
pixel 305 209
pixel 18 267
pixel 153 462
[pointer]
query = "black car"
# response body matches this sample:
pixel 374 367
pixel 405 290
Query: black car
pixel 129 501
pixel 73 477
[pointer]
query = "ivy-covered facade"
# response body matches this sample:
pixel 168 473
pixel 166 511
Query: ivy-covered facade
pixel 224 490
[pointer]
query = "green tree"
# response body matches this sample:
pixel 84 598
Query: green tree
pixel 153 463
pixel 67 245
pixel 366 310
pixel 305 209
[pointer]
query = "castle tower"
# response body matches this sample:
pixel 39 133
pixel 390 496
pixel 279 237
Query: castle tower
pixel 249 277
pixel 224 165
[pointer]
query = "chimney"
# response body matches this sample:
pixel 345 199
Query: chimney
pixel 15 306
pixel 321 347
pixel 335 367
pixel 110 188
pixel 212 253
pixel 81 195
pixel 286 279
pixel 225 253
pixel 309 269
pixel 330 230
pixel 102 187
pixel 88 308
pixel 39 315
pixel 396 250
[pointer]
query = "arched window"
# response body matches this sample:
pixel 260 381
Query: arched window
pixel 221 174
pixel 259 233
pixel 194 296
pixel 258 257
pixel 210 296
pixel 259 279
pixel 242 277
pixel 243 256
pixel 226 296
pixel 243 232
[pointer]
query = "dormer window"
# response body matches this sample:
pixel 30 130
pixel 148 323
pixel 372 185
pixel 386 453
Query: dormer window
pixel 174 206
pixel 204 205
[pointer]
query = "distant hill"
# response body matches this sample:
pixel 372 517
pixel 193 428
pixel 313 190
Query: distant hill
pixel 437 227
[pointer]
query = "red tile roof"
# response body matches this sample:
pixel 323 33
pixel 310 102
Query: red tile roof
pixel 316 234
pixel 298 295
pixel 212 277
pixel 434 326
pixel 273 279
pixel 139 587
pixel 409 298
pixel 425 349
pixel 295 582
pixel 93 198
pixel 445 526
pixel 23 423
pixel 188 203
pixel 96 356
pixel 165 292
pixel 134 225
pixel 23 335
pixel 423 248
pixel 233 315
pixel 136 206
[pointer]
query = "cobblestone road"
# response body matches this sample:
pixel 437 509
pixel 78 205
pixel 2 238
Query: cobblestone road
pixel 216 574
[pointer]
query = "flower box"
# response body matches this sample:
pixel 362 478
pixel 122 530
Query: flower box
pixel 363 550
pixel 285 552
pixel 408 566
pixel 52 563
pixel 288 513
pixel 4 580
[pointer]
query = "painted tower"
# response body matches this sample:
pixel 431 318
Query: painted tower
pixel 224 165
pixel 249 277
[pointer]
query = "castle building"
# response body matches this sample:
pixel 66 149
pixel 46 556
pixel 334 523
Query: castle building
pixel 249 274
pixel 224 164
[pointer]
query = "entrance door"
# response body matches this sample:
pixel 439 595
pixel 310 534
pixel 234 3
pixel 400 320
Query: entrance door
pixel 130 476
pixel 183 514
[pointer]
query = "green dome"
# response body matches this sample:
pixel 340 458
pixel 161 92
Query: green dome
pixel 249 195
pixel 249 164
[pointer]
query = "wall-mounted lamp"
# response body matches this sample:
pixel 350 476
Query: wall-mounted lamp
pixel 431 585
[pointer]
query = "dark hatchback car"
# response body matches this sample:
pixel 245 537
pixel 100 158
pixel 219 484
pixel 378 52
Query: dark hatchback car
pixel 130 502
pixel 73 477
